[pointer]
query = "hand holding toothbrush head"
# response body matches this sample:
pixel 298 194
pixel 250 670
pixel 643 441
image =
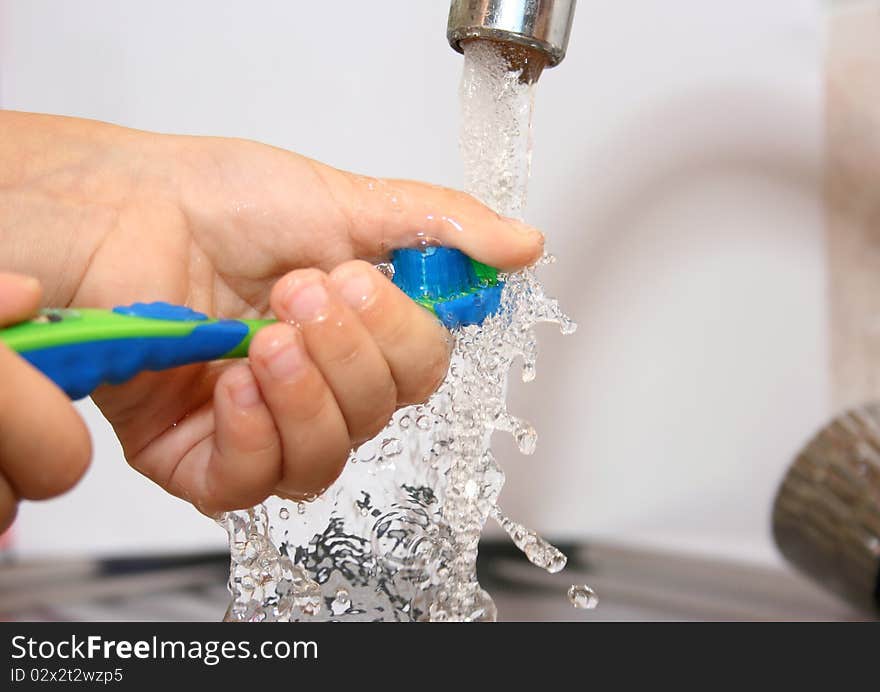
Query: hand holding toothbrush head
pixel 233 229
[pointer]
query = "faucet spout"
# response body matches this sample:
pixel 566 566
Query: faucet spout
pixel 532 26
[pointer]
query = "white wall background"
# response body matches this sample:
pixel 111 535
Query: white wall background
pixel 676 169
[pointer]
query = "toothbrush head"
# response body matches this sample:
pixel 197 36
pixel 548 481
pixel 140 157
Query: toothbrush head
pixel 459 290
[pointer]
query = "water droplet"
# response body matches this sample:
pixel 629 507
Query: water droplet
pixel 391 447
pixel 526 438
pixel 423 422
pixel 301 507
pixel 387 269
pixel 341 602
pixel 582 596
pixel 284 513
pixel 452 222
pixel 539 551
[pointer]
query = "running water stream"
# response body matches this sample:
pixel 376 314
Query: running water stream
pixel 395 538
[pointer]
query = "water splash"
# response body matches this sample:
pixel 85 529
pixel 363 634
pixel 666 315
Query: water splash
pixel 538 550
pixel 269 586
pixel 395 538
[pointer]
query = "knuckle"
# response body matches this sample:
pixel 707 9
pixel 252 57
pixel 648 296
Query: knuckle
pixel 346 354
pixel 461 197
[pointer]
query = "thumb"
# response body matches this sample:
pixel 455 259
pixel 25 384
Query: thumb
pixel 387 214
pixel 19 297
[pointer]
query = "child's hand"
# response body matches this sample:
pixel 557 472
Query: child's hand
pixel 237 229
pixel 44 444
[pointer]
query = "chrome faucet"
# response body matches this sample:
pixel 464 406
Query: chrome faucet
pixel 541 27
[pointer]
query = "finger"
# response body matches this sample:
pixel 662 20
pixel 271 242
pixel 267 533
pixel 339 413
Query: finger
pixel 19 297
pixel 314 436
pixel 44 444
pixel 413 342
pixel 341 348
pixel 244 462
pixel 8 504
pixel 388 214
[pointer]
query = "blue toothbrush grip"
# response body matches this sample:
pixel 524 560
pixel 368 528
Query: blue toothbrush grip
pixel 80 368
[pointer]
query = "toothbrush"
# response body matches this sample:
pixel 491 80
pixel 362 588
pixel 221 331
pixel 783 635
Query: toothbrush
pixel 81 348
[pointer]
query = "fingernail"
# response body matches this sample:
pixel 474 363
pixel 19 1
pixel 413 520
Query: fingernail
pixel 357 288
pixel 285 357
pixel 20 281
pixel 306 301
pixel 31 283
pixel 521 227
pixel 244 392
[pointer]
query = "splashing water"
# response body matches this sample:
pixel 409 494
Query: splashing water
pixel 536 549
pixel 395 538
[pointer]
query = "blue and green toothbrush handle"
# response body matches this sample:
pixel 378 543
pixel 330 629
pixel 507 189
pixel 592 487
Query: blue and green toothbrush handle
pixel 81 349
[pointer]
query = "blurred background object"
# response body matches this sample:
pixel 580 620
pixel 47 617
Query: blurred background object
pixel 632 584
pixel 852 114
pixel 826 517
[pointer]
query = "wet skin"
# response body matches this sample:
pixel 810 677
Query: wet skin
pixel 97 215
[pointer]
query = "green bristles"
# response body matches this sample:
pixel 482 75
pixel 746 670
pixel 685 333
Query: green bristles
pixel 488 276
